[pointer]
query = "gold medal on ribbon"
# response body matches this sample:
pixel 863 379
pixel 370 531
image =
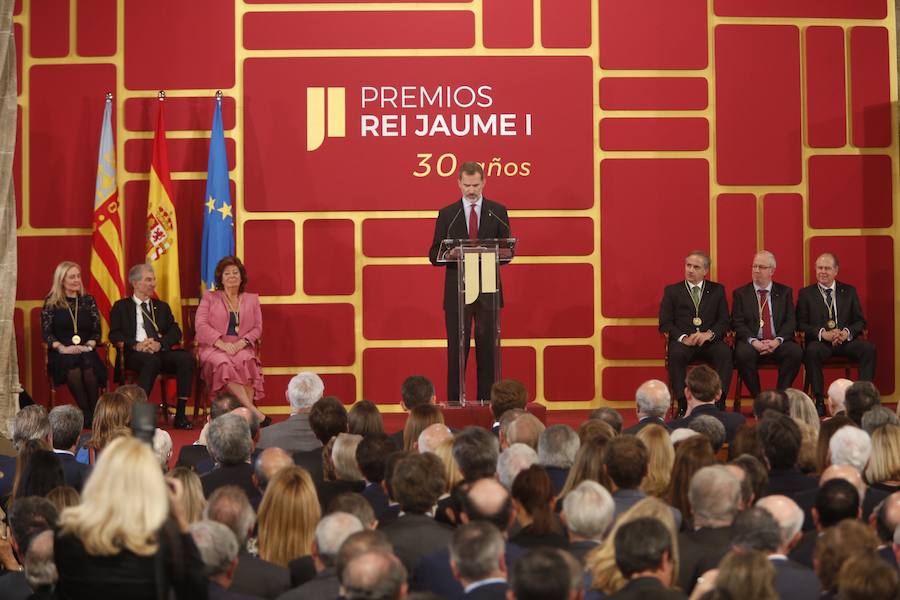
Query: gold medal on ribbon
pixel 76 339
pixel 762 323
pixel 697 321
pixel 831 324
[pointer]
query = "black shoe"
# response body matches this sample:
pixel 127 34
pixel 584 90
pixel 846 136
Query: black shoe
pixel 266 422
pixel 182 423
pixel 820 407
pixel 681 412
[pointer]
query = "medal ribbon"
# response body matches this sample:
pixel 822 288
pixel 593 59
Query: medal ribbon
pixel 150 320
pixel 765 318
pixel 74 315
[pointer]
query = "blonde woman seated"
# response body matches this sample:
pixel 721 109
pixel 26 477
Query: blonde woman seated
pixel 288 516
pixel 229 324
pixel 129 536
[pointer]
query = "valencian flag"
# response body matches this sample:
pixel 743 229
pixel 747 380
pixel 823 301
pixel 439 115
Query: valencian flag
pixel 218 220
pixel 162 232
pixel 106 283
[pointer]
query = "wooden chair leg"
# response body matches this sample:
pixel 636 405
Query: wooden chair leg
pixel 737 395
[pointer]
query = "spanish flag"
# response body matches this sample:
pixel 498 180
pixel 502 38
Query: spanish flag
pixel 162 232
pixel 106 283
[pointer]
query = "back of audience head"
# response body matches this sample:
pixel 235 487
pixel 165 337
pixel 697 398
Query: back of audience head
pixel 287 516
pixel 327 418
pixel 884 463
pixel 304 390
pixel 487 500
pixel 557 446
pixel 367 540
pixel 477 552
pixel 331 532
pixel 807 460
pixel 356 505
pixel 756 476
pixel 533 496
pixel 848 474
pixel 343 454
pixel 789 517
pixel 715 496
pixel 39 567
pixel 64 496
pixel 222 404
pixel 513 460
pixel 113 412
pixel 371 455
pixel 836 500
pixel 507 394
pixel 803 408
pixel 846 540
pixel 505 421
pixel 588 510
pixel 781 440
pixel 644 547
pixel 610 416
pixel 878 416
pixel 680 434
pixel 757 529
pixel 829 428
pixel 691 455
pixel 218 548
pixel 703 384
pixel 540 574
pixel 476 451
pixel 390 463
pixel 452 474
pixel 594 428
pixel 775 400
pixel 229 506
pixel 653 399
pixel 526 429
pixel 365 419
pixel 66 423
pixel 745 576
pixel 162 447
pixel 417 482
pixel 41 472
pixel 433 436
pixel 859 398
pixel 31 423
pixel 420 418
pixel 229 440
pixel 746 441
pixel 589 465
pixel 835 399
pixel 270 461
pixel 29 516
pixel 886 516
pixel 661 457
pixel 416 390
pixel 626 462
pixel 374 576
pixel 862 578
pixel 850 446
pixel 711 427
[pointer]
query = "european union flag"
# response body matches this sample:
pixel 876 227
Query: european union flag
pixel 218 222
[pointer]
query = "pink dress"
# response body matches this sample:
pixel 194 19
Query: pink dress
pixel 218 368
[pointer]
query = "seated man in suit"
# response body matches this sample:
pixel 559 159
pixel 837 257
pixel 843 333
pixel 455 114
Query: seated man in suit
pixel 694 314
pixel 703 389
pixel 652 399
pixel 294 433
pixel 230 445
pixel 644 556
pixel 831 317
pixel 541 573
pixel 763 320
pixel 148 329
pixel 476 558
pixel 781 441
pixel 66 422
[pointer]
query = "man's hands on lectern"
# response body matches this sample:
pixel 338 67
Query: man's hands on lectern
pixel 505 253
pixel 454 253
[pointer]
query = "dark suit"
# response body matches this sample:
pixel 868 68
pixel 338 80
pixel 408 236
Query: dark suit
pixel 634 429
pixel 191 455
pixel 217 592
pixel 643 588
pixel 238 475
pixel 676 314
pixel 311 460
pixel 377 498
pixel 730 420
pixel 74 472
pixel 700 550
pixel 434 574
pixel 488 591
pixel 624 499
pixel 330 490
pixel 789 482
pixel 415 536
pixel 745 318
pixel 451 224
pixel 323 585
pixel 803 552
pixel 807 499
pixel 257 577
pixel 793 581
pixel 812 316
pixel 123 328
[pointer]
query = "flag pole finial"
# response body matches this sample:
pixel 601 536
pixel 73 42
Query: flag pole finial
pixel 219 95
pixel 162 95
pixel 109 96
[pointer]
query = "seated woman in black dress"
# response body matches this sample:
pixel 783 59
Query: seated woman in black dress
pixel 70 323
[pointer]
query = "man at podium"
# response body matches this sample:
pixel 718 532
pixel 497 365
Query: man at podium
pixel 471 217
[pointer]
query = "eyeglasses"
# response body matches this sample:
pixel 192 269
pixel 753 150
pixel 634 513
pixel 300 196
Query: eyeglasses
pixel 761 267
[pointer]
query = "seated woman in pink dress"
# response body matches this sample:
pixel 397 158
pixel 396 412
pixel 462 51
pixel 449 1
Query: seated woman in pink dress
pixel 229 324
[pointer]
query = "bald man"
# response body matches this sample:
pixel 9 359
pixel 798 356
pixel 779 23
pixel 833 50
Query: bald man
pixel 792 580
pixel 837 391
pixel 652 401
pixel 870 497
pixel 433 436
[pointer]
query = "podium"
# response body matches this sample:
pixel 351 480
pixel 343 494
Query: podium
pixel 477 282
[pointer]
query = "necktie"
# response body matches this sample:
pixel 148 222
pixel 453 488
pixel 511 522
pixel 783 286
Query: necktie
pixel 473 223
pixel 767 332
pixel 829 302
pixel 149 327
pixel 695 294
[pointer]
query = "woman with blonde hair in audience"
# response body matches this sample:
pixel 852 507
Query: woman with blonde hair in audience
pixel 420 417
pixel 129 535
pixel 807 460
pixel 444 451
pixel 802 408
pixel 661 455
pixel 691 455
pixel 192 499
pixel 600 562
pixel 745 575
pixel 63 497
pixel 883 470
pixel 588 465
pixel 288 516
pixel 113 412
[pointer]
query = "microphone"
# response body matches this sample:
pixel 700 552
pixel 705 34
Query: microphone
pixel 453 220
pixel 508 229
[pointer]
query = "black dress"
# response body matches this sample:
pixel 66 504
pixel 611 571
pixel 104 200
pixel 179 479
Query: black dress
pixel 57 326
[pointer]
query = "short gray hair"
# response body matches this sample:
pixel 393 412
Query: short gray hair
pixel 331 533
pixel 707 261
pixel 850 446
pixel 514 460
pixel 768 255
pixel 589 509
pixel 475 549
pixel 304 390
pixel 373 575
pixel 66 423
pixel 137 271
pixel 876 417
pixel 711 427
pixel 715 496
pixel 837 391
pixel 558 446
pixel 40 569
pixel 786 512
pixel 162 446
pixel 229 506
pixel 228 439
pixel 31 423
pixel 653 398
pixel 217 545
pixel 343 455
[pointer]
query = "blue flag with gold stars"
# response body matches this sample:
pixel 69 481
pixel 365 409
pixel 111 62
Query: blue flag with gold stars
pixel 218 220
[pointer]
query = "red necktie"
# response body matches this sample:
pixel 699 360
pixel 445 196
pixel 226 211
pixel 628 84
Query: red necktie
pixel 767 332
pixel 473 223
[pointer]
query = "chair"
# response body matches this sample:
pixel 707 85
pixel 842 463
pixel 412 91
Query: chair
pixel 765 363
pixel 835 362
pixel 673 406
pixel 51 401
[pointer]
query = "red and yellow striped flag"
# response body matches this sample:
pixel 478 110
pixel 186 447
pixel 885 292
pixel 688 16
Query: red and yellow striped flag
pixel 107 258
pixel 162 231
